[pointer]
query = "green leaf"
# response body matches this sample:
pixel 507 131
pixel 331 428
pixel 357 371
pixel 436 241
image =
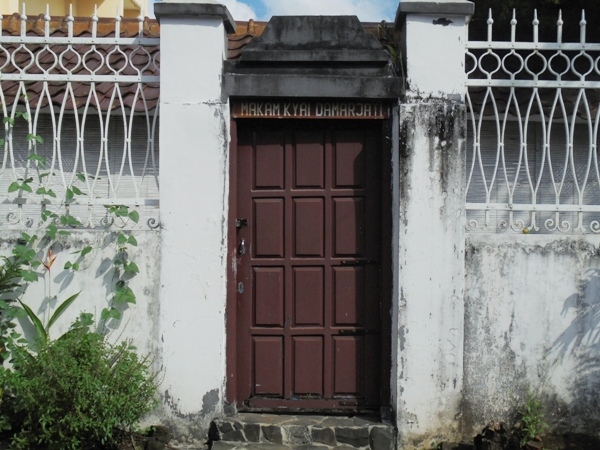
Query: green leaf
pixel 81 177
pixel 124 295
pixel 25 237
pixel 47 215
pixel 132 241
pixel 41 160
pixel 33 137
pixel 105 314
pixel 19 313
pixel 64 232
pixel 69 221
pixel 14 186
pixel 29 275
pixel 68 265
pixel 51 231
pixel 51 193
pixel 121 211
pixel 76 190
pixel 62 308
pixel 25 187
pixel 131 268
pixel 41 191
pixel 135 216
pixel 37 323
pixel 86 250
pixel 75 267
pixel 69 194
pixel 121 239
pixel 29 254
pixel 112 313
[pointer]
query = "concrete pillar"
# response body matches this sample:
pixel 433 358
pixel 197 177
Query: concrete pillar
pixel 194 192
pixel 434 40
pixel 428 354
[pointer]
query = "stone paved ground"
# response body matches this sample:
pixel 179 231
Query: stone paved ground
pixel 271 431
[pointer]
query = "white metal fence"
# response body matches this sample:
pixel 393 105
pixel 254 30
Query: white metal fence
pixel 534 114
pixel 80 118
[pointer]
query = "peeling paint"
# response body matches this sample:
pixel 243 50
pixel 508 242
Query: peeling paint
pixel 532 310
pixel 210 401
pixel 442 21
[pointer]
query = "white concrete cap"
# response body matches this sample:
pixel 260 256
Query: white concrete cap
pixel 199 8
pixel 211 2
pixel 445 7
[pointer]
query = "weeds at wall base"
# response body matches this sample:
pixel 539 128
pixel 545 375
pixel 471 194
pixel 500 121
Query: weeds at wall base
pixel 78 391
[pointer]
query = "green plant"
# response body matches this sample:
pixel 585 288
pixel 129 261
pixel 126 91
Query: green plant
pixel 124 268
pixel 78 391
pixel 390 40
pixel 43 331
pixel 52 226
pixel 15 272
pixel 533 423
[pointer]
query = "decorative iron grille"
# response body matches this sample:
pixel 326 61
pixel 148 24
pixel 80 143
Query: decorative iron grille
pixel 79 100
pixel 533 113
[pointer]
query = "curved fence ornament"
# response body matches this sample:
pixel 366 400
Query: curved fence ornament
pixel 533 121
pixel 79 102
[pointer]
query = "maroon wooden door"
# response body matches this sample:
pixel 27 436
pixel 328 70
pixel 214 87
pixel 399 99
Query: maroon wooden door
pixel 308 270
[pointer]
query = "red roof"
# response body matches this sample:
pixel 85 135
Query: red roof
pixel 82 27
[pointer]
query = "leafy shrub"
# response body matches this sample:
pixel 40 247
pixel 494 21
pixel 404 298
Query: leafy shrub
pixel 533 423
pixel 76 392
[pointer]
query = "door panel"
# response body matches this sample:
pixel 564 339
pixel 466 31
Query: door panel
pixel 308 265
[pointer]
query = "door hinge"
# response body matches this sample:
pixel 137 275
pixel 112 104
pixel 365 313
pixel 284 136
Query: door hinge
pixel 357 332
pixel 239 223
pixel 359 262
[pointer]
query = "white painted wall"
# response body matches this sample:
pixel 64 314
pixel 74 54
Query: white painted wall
pixel 428 380
pixel 532 321
pixel 428 340
pixel 435 55
pixel 95 280
pixel 194 196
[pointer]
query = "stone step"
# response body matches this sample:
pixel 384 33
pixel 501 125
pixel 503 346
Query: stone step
pixel 302 432
pixel 222 445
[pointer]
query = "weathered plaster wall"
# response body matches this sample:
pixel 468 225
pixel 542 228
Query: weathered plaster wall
pixel 532 321
pixel 423 73
pixel 194 197
pixel 95 280
pixel 427 381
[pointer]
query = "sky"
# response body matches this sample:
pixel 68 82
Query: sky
pixel 366 10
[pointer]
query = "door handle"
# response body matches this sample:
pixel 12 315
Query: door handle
pixel 242 247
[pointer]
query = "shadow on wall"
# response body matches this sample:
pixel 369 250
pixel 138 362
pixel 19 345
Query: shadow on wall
pixel 580 342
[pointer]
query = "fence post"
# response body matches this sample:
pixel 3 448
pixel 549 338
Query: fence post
pixel 194 130
pixel 428 357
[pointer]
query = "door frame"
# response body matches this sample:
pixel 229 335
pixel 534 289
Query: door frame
pixel 385 172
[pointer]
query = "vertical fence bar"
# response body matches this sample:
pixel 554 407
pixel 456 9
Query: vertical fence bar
pixel 550 82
